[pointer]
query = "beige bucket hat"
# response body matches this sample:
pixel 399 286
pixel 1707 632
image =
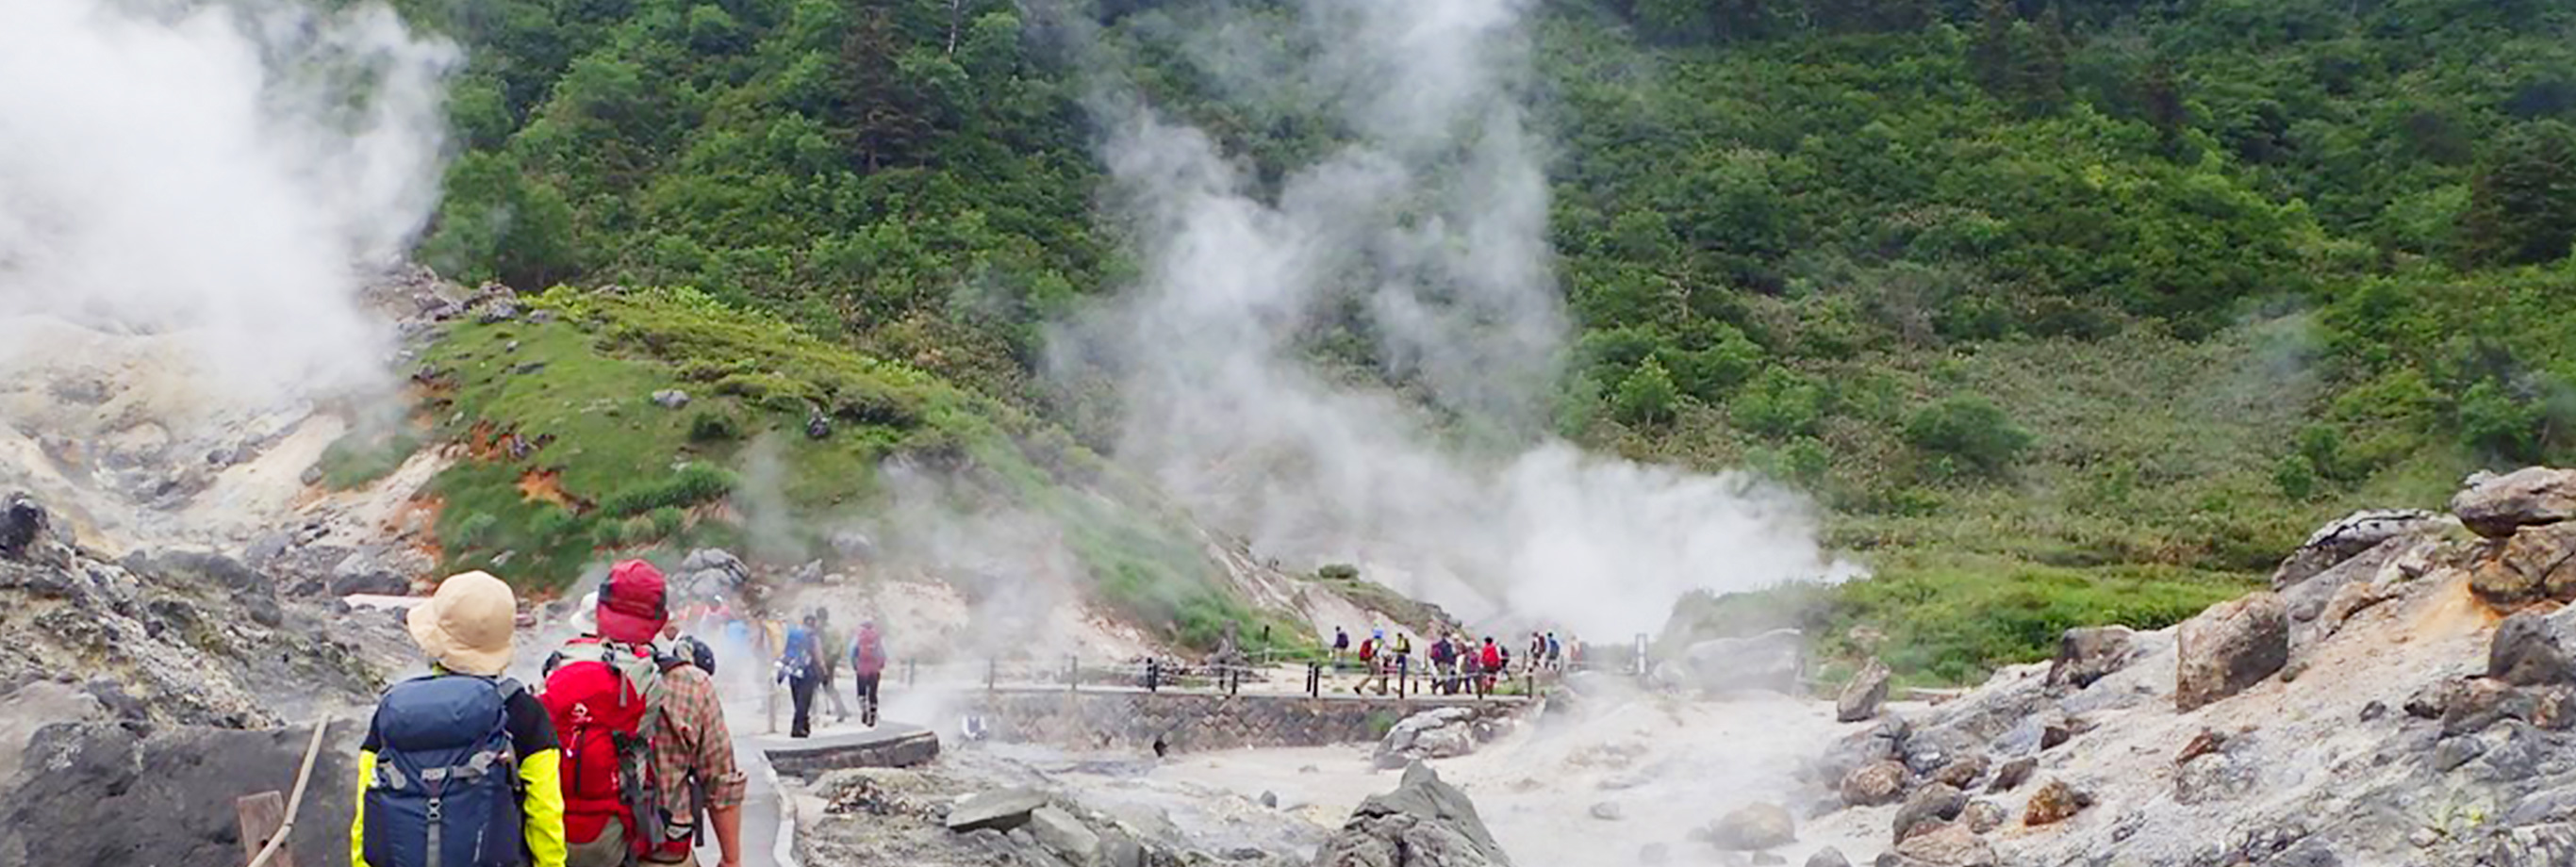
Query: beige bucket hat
pixel 466 626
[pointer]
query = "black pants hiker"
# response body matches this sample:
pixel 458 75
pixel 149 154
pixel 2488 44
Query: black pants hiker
pixel 868 698
pixel 802 689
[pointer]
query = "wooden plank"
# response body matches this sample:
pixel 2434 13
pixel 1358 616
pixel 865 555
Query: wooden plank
pixel 261 815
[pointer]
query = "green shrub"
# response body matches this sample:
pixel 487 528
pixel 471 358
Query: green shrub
pixel 475 529
pixel 1779 404
pixel 1967 433
pixel 667 521
pixel 1647 396
pixel 638 531
pixel 1338 572
pixel 2296 476
pixel 711 425
pixel 688 486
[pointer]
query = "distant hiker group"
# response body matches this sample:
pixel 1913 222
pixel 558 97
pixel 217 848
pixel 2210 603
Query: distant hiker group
pixel 807 664
pixel 1455 664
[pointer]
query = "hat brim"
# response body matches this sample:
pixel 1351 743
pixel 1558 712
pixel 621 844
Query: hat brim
pixel 444 649
pixel 616 625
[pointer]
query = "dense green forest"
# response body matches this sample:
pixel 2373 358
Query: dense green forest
pixel 2068 309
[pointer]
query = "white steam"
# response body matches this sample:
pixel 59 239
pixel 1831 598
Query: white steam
pixel 226 171
pixel 1430 223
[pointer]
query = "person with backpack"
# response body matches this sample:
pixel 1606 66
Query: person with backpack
pixel 648 762
pixel 1368 663
pixel 867 664
pixel 800 666
pixel 827 639
pixel 459 768
pixel 1341 645
pixel 1444 661
pixel 1489 661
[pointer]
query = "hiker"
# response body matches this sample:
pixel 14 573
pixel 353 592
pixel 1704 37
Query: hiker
pixel 867 663
pixel 827 638
pixel 1489 660
pixel 801 668
pixel 1400 661
pixel 1368 663
pixel 1341 646
pixel 1444 665
pixel 1537 650
pixel 1555 654
pixel 500 802
pixel 630 712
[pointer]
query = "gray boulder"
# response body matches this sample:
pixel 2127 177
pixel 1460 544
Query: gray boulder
pixel 2347 537
pixel 2495 506
pixel 1874 784
pixel 1772 660
pixel 2534 648
pixel 1424 822
pixel 1931 805
pixel 999 809
pixel 1438 733
pixel 2229 647
pixel 1828 857
pixel 671 398
pixel 22 522
pixel 368 572
pixel 1861 697
pixel 2087 653
pixel 1065 836
pixel 1754 826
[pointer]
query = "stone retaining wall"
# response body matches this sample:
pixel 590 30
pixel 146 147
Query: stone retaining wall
pixel 1132 719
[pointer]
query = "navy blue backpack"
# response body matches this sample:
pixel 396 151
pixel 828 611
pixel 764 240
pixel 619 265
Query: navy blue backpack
pixel 446 789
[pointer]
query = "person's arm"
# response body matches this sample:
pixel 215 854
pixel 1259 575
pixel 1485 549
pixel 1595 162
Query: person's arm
pixel 728 822
pixel 358 820
pixel 544 807
pixel 541 804
pixel 714 762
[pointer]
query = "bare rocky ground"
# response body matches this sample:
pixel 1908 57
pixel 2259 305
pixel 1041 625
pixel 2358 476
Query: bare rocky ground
pixel 2370 710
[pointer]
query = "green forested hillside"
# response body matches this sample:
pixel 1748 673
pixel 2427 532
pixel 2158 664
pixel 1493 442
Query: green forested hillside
pixel 2114 297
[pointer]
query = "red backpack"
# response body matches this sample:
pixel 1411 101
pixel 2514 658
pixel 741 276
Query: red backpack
pixel 606 701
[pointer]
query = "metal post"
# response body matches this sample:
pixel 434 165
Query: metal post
pixel 911 671
pixel 992 673
pixel 1153 674
pixel 1072 673
pixel 1403 674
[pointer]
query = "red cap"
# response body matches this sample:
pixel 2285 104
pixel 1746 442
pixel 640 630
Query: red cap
pixel 630 607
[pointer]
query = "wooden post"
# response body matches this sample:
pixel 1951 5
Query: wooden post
pixel 261 815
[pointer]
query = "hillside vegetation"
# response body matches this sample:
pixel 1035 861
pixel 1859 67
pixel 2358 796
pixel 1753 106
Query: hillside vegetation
pixel 572 456
pixel 2070 310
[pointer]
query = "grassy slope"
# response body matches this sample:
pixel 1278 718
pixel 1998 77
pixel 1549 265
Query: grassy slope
pixel 632 474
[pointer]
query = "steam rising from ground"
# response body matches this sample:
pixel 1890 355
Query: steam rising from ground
pixel 224 170
pixel 1427 230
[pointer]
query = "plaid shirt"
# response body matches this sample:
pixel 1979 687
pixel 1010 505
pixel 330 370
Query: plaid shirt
pixel 694 739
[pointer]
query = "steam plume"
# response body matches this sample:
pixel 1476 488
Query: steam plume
pixel 221 170
pixel 1430 220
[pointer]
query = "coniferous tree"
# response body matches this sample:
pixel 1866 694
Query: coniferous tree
pixel 2522 200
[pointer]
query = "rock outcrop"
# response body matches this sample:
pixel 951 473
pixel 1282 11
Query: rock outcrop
pixel 2349 537
pixel 1772 661
pixel 111 793
pixel 191 637
pixel 2534 564
pixel 1424 822
pixel 2534 648
pixel 2086 653
pixel 2499 506
pixel 1861 697
pixel 2229 647
pixel 1438 733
